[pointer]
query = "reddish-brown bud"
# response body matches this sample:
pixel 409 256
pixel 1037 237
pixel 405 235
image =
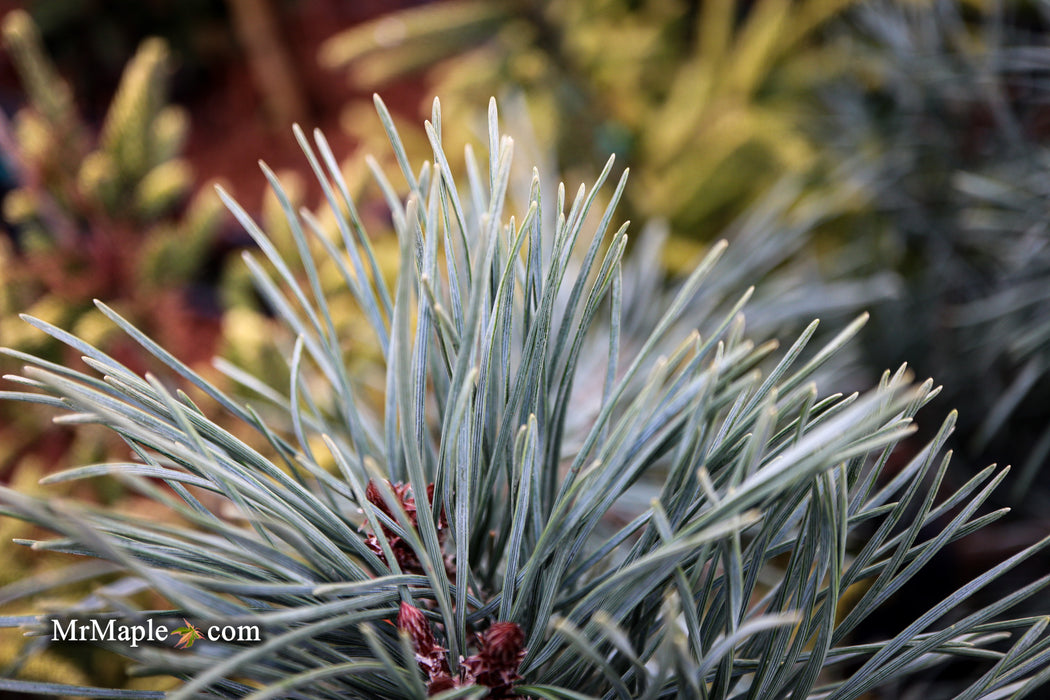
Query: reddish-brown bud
pixel 440 683
pixel 500 652
pixel 403 494
pixel 373 494
pixel 504 645
pixel 429 656
pixel 412 620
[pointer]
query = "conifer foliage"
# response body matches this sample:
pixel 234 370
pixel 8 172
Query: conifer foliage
pixel 717 530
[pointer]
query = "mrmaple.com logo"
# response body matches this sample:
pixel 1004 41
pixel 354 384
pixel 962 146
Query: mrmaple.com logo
pixel 95 630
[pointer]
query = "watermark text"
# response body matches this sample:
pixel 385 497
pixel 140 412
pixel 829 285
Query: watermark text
pixel 148 631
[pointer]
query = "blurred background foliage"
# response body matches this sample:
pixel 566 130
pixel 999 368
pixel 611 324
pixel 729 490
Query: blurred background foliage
pixel 885 154
pixel 110 212
pixel 951 106
pixel 705 100
pixel 108 215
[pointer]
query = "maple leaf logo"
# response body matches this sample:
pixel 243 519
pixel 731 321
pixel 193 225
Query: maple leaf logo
pixel 188 635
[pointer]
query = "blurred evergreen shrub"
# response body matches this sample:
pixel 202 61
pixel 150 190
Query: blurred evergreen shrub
pixel 111 215
pixel 949 105
pixel 101 216
pixel 703 100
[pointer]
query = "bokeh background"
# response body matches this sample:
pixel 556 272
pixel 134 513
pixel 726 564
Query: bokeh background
pixel 879 155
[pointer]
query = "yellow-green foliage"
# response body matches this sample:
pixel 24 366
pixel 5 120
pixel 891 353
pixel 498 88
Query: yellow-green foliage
pixel 417 38
pixel 103 214
pixel 96 215
pixel 705 99
pixel 19 561
pixel 49 95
